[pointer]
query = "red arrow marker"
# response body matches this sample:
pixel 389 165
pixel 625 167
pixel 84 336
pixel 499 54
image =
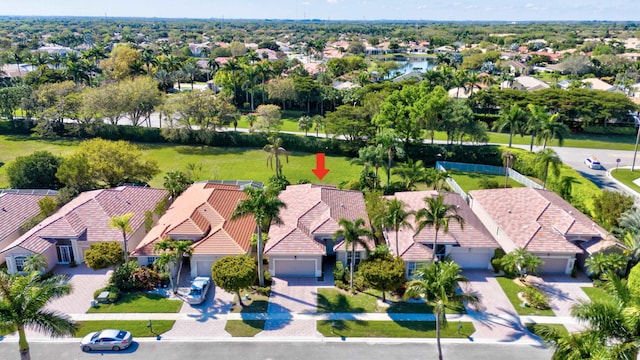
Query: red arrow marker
pixel 320 171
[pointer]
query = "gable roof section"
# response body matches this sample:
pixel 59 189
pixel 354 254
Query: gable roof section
pixel 89 213
pixel 15 209
pixel 472 235
pixel 203 213
pixel 312 210
pixel 537 220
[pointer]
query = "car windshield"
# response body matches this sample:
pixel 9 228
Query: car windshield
pixel 94 337
pixel 195 291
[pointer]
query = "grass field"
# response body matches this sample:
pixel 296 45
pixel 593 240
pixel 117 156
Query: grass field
pixel 139 303
pixel 511 289
pixel 392 329
pixel 472 181
pixel 626 176
pixel 244 328
pixel 217 163
pixel 535 328
pixel 596 294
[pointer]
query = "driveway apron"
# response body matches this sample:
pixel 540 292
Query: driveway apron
pixel 495 316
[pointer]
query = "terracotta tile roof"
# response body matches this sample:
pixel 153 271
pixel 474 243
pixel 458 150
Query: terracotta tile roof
pixel 15 210
pixel 88 216
pixel 313 210
pixel 202 213
pixel 537 220
pixel 412 246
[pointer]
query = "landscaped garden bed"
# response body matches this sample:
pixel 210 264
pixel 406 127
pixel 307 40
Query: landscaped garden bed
pixel 139 302
pixel 512 288
pixel 393 329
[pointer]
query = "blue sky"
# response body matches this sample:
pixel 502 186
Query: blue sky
pixel 511 10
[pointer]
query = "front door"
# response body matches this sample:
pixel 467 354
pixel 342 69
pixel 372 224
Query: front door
pixel 64 254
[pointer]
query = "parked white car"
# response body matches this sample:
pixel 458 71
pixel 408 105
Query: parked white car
pixel 198 291
pixel 109 339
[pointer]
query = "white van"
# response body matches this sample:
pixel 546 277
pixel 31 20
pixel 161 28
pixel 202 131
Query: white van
pixel 592 162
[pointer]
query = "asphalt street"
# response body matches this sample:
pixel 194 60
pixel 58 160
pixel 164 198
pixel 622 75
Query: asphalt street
pixel 282 350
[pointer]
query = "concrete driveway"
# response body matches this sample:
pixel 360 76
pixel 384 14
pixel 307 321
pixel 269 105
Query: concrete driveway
pixel 495 316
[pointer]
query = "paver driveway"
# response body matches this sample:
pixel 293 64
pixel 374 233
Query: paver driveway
pixel 85 282
pixel 497 318
pixel 294 295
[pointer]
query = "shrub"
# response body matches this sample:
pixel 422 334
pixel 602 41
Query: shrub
pixel 264 290
pixel 496 262
pixel 122 277
pixel 535 298
pixel 342 285
pixel 145 278
pixel 114 294
pixel 338 272
pixel 267 277
pixel 163 278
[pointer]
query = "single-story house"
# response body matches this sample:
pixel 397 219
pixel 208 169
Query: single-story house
pixel 526 83
pixel 16 208
pixel 471 246
pixel 597 84
pixel 202 214
pixel 541 222
pixel 64 236
pixel 298 246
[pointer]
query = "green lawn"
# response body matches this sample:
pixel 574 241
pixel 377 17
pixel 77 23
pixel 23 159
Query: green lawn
pixel 626 176
pixel 472 181
pixel 244 328
pixel 392 329
pixel 596 294
pixel 337 301
pixel 217 163
pixel 137 328
pixel 139 303
pixel 535 328
pixel 255 304
pixel 511 289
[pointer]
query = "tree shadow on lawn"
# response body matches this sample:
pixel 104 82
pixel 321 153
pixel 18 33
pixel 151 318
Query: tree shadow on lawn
pixel 202 150
pixel 60 141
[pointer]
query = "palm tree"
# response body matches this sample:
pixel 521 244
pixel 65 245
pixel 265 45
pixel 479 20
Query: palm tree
pixel 389 139
pixel 437 214
pixel 521 262
pixel 35 262
pixel 251 72
pixel 275 150
pixel 122 223
pixel 265 70
pixel 436 179
pixel 551 128
pixel 22 305
pixel 265 208
pixel 411 173
pixel 233 66
pixel 397 218
pixel 213 65
pixel 600 264
pixel 542 160
pixel 353 233
pixel 612 326
pixel 191 71
pixel 513 118
pixel 172 253
pixel 148 57
pixel 373 156
pixel 438 283
pixel 536 117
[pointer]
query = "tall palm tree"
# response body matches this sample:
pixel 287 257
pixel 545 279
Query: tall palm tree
pixel 537 114
pixel 213 65
pixel 551 128
pixel 148 57
pixel 389 139
pixel 438 283
pixel 22 305
pixel 276 150
pixel 191 71
pixel 397 218
pixel 513 118
pixel 542 160
pixel 437 214
pixel 233 67
pixel 371 156
pixel 353 232
pixel 123 224
pixel 251 73
pixel 172 254
pixel 265 70
pixel 265 208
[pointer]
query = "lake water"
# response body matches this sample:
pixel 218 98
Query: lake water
pixel 418 64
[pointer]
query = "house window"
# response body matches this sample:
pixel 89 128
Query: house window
pixel 441 251
pixel 20 260
pixel 412 266
pixel 358 258
pixel 151 260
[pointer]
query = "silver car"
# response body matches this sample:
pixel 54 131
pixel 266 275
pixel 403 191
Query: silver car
pixel 109 339
pixel 198 290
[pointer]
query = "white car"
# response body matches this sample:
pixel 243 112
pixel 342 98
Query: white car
pixel 109 339
pixel 198 291
pixel 592 162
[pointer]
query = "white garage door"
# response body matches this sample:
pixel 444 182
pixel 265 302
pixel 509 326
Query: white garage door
pixel 553 265
pixel 471 260
pixel 295 268
pixel 203 267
